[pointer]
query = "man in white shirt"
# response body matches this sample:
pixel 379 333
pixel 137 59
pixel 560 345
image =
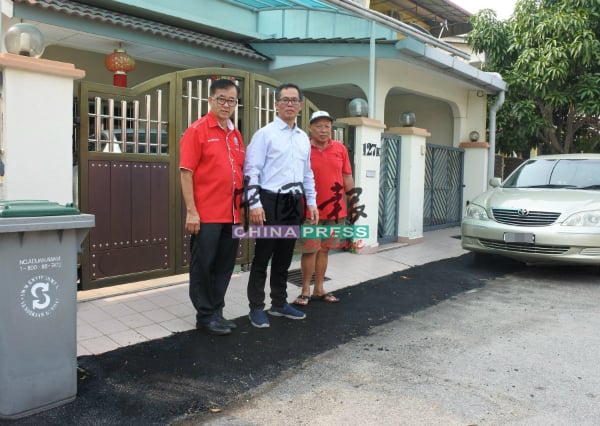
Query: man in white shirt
pixel 278 173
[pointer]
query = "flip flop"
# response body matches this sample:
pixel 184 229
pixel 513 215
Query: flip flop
pixel 328 297
pixel 302 300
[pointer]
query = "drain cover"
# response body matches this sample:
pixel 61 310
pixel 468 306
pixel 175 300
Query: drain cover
pixel 295 277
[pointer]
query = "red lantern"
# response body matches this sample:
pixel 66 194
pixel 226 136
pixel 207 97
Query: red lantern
pixel 120 63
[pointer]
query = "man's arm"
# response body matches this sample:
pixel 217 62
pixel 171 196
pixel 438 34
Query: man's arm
pixel 192 219
pixel 348 182
pixel 253 165
pixel 309 190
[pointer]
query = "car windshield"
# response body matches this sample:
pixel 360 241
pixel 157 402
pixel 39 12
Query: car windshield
pixel 556 173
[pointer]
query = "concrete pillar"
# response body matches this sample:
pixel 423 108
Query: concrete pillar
pixel 412 182
pixel 476 169
pixel 366 174
pixel 37 126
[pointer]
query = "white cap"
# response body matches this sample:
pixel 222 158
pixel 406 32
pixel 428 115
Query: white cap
pixel 320 114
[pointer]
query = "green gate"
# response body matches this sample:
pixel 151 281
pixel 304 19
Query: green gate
pixel 442 204
pixel 127 151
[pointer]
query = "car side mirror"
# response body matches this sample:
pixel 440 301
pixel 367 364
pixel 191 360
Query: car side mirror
pixel 495 182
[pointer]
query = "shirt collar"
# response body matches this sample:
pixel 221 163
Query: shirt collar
pixel 212 121
pixel 283 125
pixel 327 145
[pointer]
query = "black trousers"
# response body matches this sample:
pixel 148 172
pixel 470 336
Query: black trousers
pixel 213 252
pixel 280 209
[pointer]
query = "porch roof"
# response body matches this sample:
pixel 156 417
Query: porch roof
pixel 313 32
pixel 53 12
pixel 267 4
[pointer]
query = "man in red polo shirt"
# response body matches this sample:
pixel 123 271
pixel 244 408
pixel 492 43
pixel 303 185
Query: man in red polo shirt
pixel 333 179
pixel 212 157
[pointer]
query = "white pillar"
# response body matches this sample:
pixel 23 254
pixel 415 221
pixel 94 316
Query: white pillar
pixel 366 174
pixel 37 126
pixel 413 150
pixel 476 169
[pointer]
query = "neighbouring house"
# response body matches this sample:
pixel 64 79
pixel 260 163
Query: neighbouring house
pixel 418 145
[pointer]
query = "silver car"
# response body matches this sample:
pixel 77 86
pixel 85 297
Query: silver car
pixel 546 211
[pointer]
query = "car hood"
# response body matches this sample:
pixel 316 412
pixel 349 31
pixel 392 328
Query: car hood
pixel 540 199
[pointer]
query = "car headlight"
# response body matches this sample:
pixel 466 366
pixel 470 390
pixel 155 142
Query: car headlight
pixel 476 212
pixel 589 218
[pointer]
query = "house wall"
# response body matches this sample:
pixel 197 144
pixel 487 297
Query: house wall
pixel 431 114
pixel 336 107
pixel 93 64
pixel 448 108
pixel 36 129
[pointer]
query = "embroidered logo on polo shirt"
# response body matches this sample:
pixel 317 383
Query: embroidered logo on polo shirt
pixel 213 140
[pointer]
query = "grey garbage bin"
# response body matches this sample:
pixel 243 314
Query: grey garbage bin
pixel 39 243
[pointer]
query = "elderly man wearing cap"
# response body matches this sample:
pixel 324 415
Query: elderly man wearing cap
pixel 333 178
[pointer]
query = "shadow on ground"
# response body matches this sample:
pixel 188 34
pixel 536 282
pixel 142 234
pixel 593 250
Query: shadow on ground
pixel 183 376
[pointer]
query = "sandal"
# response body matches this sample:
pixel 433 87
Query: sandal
pixel 302 300
pixel 328 297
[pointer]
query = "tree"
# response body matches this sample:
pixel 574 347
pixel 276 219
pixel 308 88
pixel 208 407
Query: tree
pixel 549 54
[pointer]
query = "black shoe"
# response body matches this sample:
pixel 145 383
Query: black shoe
pixel 228 323
pixel 214 327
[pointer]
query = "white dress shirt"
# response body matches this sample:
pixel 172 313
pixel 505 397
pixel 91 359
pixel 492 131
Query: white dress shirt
pixel 278 160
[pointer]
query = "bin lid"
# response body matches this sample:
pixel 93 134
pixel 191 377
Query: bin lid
pixel 35 208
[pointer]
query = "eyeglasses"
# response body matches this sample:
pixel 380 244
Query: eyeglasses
pixel 287 101
pixel 221 100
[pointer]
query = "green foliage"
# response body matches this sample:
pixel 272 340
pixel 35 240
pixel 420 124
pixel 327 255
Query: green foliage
pixel 549 54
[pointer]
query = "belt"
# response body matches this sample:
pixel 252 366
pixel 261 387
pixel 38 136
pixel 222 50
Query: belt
pixel 288 195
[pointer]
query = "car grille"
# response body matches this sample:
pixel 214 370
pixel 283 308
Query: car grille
pixel 512 217
pixel 523 247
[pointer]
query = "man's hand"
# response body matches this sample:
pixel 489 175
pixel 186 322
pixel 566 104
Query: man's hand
pixel 257 216
pixel 314 215
pixel 192 222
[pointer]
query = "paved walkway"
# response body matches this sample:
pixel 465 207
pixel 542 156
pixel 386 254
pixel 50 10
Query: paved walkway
pixel 124 315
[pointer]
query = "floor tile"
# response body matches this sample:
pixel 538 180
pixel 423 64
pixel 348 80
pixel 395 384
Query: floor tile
pixel 99 345
pixel 159 315
pixel 177 325
pixel 136 320
pixel 117 309
pixel 110 326
pixel 81 351
pixel 93 314
pixel 128 337
pixel 153 331
pixel 87 332
pixel 181 309
pixel 162 300
pixel 141 304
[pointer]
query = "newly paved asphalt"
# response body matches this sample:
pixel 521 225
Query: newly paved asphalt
pixel 186 375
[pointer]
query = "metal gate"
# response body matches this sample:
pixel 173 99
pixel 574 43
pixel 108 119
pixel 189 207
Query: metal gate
pixel 442 206
pixel 127 148
pixel 389 189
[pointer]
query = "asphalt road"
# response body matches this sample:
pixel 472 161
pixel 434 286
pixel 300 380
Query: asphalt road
pixel 449 342
pixel 523 349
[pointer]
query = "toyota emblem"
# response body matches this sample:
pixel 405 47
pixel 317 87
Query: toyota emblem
pixel 523 212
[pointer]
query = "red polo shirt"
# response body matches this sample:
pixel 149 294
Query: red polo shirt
pixel 329 165
pixel 216 158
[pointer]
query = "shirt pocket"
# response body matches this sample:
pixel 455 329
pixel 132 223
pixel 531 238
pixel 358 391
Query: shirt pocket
pixel 239 156
pixel 338 161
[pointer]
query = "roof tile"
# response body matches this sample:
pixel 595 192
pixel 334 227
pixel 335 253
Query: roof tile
pixel 79 10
